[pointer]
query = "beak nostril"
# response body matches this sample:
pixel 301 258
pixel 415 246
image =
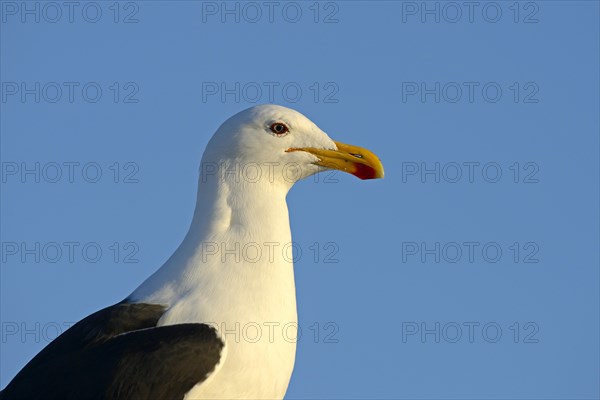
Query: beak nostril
pixel 357 155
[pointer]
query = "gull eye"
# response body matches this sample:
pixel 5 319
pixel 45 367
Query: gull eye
pixel 279 128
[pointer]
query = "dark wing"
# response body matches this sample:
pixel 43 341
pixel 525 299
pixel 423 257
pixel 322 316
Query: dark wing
pixel 119 353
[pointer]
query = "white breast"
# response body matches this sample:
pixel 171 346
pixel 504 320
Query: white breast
pixel 258 326
pixel 251 301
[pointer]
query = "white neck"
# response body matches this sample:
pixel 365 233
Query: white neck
pixel 214 277
pixel 239 240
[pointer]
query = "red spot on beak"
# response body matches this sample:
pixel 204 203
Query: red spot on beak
pixel 364 171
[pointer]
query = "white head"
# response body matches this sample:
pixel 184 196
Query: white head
pixel 277 143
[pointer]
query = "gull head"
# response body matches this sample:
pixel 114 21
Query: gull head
pixel 280 144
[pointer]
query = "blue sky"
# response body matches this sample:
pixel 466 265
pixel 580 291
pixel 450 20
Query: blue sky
pixel 470 271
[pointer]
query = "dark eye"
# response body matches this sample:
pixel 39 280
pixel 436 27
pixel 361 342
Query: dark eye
pixel 279 128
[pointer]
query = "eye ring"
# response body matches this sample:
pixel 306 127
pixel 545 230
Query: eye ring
pixel 279 128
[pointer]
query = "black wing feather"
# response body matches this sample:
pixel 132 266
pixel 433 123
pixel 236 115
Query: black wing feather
pixel 119 353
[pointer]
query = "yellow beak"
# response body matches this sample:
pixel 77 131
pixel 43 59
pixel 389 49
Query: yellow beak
pixel 352 159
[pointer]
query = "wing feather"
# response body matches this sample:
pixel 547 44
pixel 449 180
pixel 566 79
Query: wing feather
pixel 119 353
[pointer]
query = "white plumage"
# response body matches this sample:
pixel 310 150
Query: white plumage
pixel 233 272
pixel 246 172
pixel 215 276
